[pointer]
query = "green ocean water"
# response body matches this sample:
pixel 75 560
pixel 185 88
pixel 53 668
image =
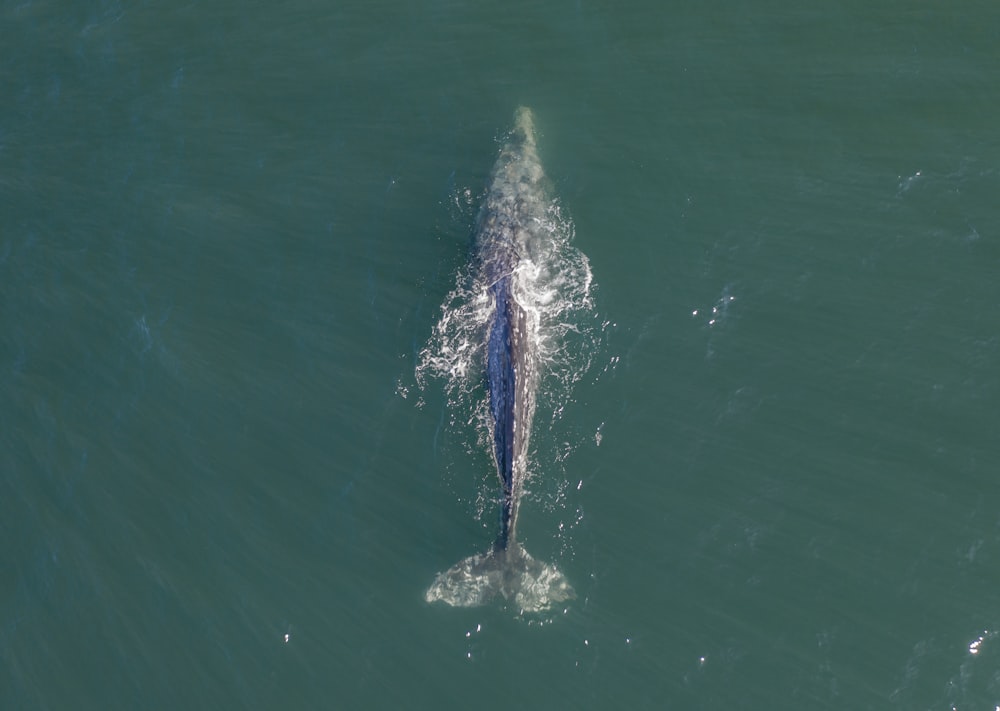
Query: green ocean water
pixel 226 233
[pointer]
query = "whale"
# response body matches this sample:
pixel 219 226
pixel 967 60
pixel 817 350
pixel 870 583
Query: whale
pixel 508 231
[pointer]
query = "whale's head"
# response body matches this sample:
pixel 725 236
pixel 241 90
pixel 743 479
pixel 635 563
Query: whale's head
pixel 524 125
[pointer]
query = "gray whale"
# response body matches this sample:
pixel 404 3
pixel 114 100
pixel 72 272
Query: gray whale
pixel 506 229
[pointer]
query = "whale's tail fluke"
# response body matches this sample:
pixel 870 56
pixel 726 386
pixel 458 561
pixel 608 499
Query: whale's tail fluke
pixel 510 573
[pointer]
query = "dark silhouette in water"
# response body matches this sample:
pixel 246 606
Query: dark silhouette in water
pixel 508 227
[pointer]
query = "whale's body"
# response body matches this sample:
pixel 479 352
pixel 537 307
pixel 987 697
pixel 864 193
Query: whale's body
pixel 507 230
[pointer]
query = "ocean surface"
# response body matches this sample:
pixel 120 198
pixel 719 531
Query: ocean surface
pixel 768 462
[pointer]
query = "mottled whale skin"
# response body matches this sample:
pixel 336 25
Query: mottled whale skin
pixel 507 230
